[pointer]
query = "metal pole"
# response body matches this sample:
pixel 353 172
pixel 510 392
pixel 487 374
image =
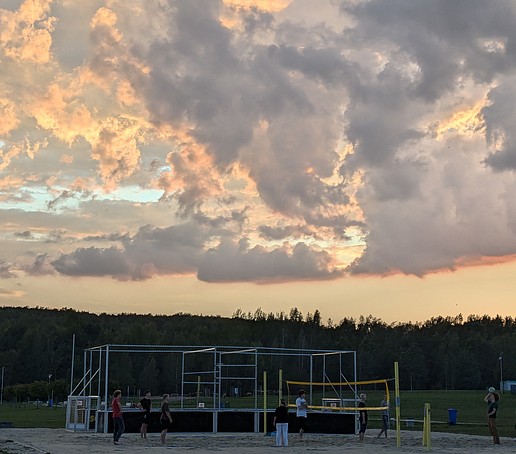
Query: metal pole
pixel 83 392
pixel 264 401
pixel 311 377
pixel 99 399
pixel 256 379
pixel 355 388
pixel 341 403
pixel 106 391
pixel 397 388
pixel 280 388
pixel 2 390
pixel 501 372
pixel 324 378
pixel 73 358
pixel 183 380
pixel 91 368
pixel 214 400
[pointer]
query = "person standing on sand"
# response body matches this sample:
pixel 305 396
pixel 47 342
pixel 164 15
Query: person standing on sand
pixel 385 416
pixel 280 422
pixel 165 418
pixel 118 419
pixel 145 404
pixel 362 417
pixel 492 411
pixel 301 407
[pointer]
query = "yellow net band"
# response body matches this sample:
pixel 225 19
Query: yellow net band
pixel 344 383
pixel 322 407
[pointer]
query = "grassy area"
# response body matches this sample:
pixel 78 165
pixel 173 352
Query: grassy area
pixel 471 416
pixel 30 415
pixel 470 405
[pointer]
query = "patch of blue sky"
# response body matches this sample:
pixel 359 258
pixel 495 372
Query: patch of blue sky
pixel 39 199
pixel 33 199
pixel 132 193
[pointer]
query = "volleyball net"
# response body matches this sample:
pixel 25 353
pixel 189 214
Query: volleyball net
pixel 341 396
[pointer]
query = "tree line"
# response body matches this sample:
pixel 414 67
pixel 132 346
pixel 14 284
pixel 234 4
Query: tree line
pixel 441 353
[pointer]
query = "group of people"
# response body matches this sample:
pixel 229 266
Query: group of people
pixel 146 406
pixel 280 421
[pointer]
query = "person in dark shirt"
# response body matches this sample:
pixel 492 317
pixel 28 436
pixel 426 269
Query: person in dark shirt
pixel 362 417
pixel 385 416
pixel 145 404
pixel 280 422
pixel 165 418
pixel 492 411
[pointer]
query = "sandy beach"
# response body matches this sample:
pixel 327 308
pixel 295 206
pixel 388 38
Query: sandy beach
pixel 61 441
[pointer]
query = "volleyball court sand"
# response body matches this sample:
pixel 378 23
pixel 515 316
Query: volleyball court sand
pixel 60 441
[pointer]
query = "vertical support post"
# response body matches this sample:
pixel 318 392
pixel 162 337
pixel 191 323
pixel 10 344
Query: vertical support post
pixel 324 377
pixel 427 427
pixel 341 403
pixel 106 391
pixel 311 377
pixel 398 415
pixel 216 389
pixel 2 391
pixel 500 358
pixel 99 399
pixel 264 401
pixel 183 380
pixel 280 386
pixel 355 390
pixel 90 371
pixel 198 392
pixel 84 371
pixel 71 369
pixel 215 380
pixel 256 379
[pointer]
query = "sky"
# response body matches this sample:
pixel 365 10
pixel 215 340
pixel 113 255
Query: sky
pixel 203 156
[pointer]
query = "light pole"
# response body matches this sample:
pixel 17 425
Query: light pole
pixel 500 358
pixel 49 399
pixel 2 388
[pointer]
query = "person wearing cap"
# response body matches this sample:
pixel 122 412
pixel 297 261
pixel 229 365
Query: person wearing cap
pixel 492 411
pixel 490 391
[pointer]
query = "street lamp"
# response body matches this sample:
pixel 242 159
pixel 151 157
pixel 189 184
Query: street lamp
pixel 2 388
pixel 49 399
pixel 500 358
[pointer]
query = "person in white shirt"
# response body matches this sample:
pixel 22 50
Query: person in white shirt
pixel 301 406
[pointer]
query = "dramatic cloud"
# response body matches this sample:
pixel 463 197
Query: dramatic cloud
pixel 259 141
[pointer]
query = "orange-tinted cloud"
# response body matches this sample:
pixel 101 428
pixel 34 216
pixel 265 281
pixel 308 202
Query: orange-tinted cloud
pixel 26 34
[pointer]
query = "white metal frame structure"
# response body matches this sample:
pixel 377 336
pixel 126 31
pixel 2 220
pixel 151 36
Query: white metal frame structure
pixel 227 364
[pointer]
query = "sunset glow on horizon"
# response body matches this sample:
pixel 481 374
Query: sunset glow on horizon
pixel 208 156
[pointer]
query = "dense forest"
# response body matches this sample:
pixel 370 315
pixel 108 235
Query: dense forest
pixel 441 353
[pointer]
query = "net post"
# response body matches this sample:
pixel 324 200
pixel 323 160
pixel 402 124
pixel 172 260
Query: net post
pixel 427 427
